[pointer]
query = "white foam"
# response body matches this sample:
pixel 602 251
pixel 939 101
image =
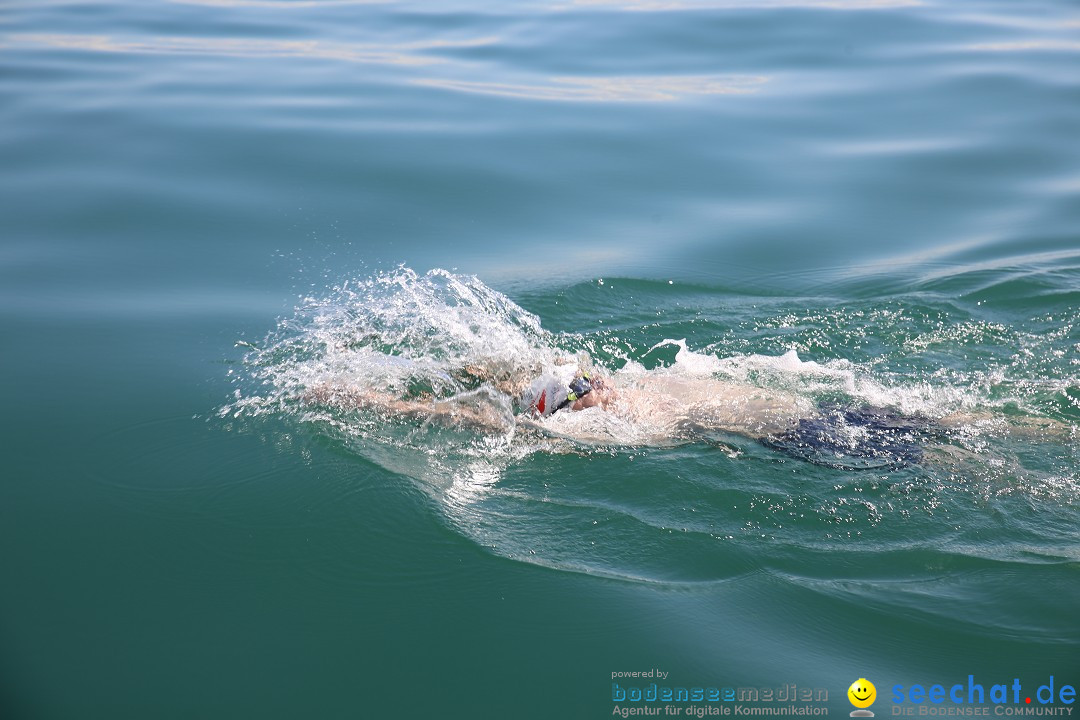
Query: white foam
pixel 401 333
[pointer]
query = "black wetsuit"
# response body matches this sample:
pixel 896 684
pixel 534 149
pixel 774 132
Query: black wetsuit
pixel 856 439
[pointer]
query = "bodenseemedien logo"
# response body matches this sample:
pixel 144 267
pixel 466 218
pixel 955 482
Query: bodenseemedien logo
pixel 862 694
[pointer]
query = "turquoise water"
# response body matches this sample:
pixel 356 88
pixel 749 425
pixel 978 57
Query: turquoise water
pixel 206 204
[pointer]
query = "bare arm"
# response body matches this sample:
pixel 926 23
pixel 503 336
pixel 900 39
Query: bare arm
pixel 1032 428
pixel 480 418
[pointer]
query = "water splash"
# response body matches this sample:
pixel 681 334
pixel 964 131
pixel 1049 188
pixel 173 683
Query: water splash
pixel 624 494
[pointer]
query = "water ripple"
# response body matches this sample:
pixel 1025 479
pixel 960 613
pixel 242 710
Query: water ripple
pixel 609 89
pixel 390 54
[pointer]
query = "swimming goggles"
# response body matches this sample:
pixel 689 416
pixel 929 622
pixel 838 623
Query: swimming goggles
pixel 579 388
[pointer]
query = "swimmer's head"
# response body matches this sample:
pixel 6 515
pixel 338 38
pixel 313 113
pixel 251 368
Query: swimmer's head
pixel 547 393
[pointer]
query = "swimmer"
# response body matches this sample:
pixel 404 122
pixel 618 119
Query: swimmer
pixel 574 401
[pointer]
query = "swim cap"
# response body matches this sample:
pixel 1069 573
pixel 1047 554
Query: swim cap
pixel 545 395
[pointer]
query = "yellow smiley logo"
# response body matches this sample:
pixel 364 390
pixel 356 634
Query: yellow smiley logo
pixel 862 693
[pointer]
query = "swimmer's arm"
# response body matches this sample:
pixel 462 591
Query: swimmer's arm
pixel 1023 427
pixel 482 419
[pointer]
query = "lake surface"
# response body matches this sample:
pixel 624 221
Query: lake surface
pixel 205 204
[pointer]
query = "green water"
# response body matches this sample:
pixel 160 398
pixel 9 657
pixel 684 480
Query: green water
pixel 887 190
